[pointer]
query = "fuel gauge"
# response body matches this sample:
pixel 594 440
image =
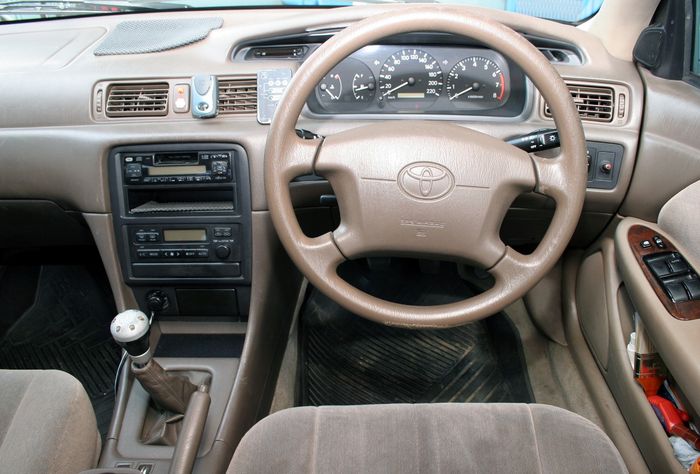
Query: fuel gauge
pixel 348 87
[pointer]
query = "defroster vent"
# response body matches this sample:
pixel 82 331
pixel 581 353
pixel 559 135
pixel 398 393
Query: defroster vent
pixel 594 103
pixel 137 99
pixel 238 95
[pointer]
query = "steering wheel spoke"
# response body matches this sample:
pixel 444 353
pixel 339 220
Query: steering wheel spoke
pixel 298 156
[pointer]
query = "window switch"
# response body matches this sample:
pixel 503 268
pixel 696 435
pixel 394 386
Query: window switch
pixel 659 267
pixel 677 264
pixel 693 287
pixel 645 244
pixel 677 292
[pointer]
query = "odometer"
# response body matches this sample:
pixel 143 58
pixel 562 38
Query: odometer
pixel 410 79
pixel 477 83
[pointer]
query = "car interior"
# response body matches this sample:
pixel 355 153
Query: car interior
pixel 271 236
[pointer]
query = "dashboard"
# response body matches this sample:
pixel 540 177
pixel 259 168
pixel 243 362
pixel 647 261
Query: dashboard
pixel 422 79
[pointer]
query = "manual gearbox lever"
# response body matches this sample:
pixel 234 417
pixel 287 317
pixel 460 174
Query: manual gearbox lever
pixel 131 330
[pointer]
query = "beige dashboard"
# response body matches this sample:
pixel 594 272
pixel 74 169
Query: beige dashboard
pixel 47 99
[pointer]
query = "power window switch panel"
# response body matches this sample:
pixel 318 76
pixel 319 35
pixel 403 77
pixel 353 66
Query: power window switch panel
pixel 693 287
pixel 677 292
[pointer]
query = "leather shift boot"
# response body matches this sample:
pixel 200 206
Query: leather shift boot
pixel 169 391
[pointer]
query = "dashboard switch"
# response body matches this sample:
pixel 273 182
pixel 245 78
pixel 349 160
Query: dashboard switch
pixel 181 103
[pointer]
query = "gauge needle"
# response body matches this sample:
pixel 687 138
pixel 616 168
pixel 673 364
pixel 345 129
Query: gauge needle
pixel 463 92
pixel 361 88
pixel 403 84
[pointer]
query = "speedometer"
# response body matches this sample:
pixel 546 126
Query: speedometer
pixel 410 79
pixel 477 83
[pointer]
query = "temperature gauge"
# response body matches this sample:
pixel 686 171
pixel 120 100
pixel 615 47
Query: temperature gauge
pixel 348 87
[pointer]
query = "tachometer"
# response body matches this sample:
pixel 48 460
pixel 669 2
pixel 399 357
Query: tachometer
pixel 477 83
pixel 410 79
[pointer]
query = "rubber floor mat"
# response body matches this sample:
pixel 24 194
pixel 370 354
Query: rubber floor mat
pixel 67 328
pixel 348 360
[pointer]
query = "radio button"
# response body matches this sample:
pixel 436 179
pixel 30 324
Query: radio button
pixel 223 251
pixel 190 253
pixel 203 253
pixel 133 170
pixel 148 253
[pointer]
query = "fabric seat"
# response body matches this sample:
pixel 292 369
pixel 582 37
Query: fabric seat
pixel 46 423
pixel 434 438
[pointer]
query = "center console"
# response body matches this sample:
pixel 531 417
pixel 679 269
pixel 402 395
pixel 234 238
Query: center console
pixel 182 221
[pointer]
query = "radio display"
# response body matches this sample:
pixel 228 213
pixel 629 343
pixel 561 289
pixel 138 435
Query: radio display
pixel 184 235
pixel 176 170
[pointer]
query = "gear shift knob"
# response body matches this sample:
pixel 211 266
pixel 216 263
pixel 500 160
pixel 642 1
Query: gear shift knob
pixel 131 330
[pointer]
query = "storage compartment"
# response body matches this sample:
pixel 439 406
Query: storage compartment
pixel 169 201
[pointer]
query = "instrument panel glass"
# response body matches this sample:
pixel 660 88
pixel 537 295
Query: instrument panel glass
pixel 436 80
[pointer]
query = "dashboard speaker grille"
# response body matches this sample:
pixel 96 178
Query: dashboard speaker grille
pixel 594 103
pixel 238 95
pixel 137 99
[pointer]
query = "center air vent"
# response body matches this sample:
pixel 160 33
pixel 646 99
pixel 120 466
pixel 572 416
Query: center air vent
pixel 594 103
pixel 238 95
pixel 137 99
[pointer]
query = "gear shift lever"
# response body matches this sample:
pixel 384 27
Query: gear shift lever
pixel 131 330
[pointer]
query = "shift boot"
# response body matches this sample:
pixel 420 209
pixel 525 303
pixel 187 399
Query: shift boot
pixel 169 391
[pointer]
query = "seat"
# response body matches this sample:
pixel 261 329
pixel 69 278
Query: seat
pixel 46 423
pixel 426 438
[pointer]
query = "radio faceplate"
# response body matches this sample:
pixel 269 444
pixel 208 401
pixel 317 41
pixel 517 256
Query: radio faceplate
pixel 181 167
pixel 206 246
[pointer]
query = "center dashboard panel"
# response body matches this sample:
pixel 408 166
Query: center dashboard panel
pixel 422 79
pixel 182 217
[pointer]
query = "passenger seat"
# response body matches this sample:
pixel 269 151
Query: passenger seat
pixel 47 423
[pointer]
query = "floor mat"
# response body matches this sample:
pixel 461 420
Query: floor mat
pixel 348 360
pixel 67 328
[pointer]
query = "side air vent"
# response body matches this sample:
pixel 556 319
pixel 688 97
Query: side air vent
pixel 561 56
pixel 594 103
pixel 137 99
pixel 238 95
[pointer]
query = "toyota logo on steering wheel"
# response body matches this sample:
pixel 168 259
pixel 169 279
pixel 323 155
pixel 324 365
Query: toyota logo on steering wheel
pixel 426 181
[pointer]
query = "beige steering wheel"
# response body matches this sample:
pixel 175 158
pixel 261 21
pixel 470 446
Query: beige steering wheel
pixel 420 188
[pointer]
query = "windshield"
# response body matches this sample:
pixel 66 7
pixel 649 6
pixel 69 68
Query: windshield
pixel 570 11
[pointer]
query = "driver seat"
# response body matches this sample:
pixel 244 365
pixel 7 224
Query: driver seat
pixel 426 438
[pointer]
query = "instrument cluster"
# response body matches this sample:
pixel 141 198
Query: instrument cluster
pixel 391 79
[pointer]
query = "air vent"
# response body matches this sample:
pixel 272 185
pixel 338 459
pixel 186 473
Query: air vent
pixel 238 95
pixel 137 99
pixel 594 103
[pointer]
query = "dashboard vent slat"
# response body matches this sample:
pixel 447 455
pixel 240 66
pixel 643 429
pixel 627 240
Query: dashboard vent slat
pixel 149 99
pixel 238 95
pixel 594 103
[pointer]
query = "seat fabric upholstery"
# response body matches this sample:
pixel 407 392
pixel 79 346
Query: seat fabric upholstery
pixel 46 423
pixel 434 438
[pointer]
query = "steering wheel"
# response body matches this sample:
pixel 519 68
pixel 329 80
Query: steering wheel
pixel 425 188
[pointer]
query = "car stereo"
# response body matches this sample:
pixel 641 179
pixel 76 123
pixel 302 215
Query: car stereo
pixel 177 167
